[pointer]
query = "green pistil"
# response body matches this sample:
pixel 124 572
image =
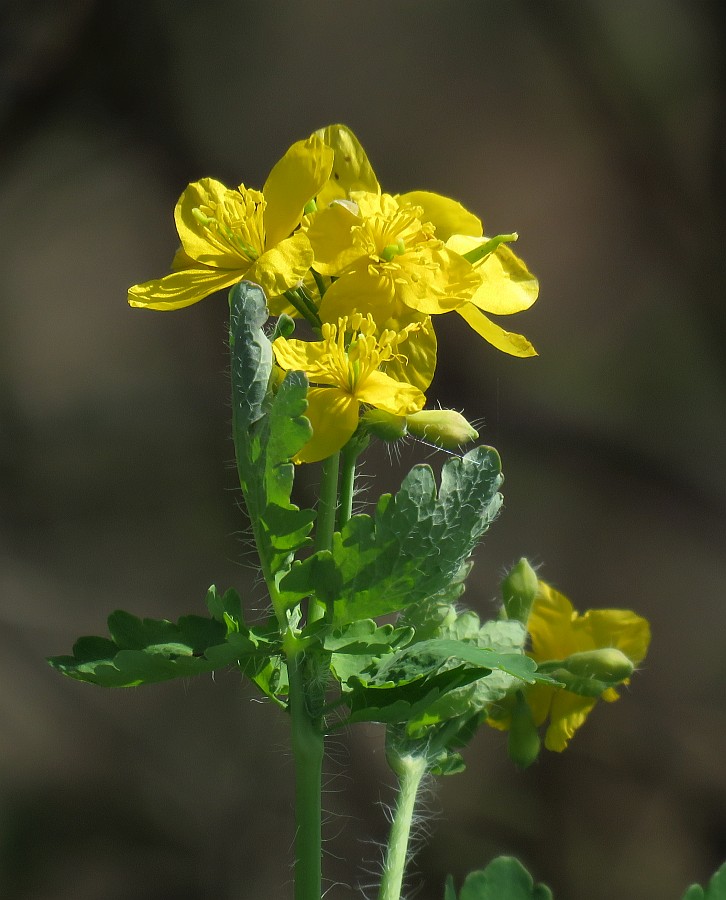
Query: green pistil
pixel 392 250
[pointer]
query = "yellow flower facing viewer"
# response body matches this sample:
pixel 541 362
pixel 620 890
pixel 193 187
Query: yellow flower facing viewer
pixel 391 251
pixel 558 631
pixel 344 371
pixel 229 235
pixel 381 249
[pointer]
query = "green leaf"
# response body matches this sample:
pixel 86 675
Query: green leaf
pixel 716 889
pixel 145 651
pixel 505 638
pixel 365 637
pixel 398 702
pixel 226 607
pixel 359 645
pixel 413 548
pixel 269 429
pixel 505 878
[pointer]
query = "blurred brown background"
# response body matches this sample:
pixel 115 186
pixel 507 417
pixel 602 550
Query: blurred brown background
pixel 593 127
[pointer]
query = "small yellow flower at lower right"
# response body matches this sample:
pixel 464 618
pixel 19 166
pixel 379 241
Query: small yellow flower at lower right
pixel 558 631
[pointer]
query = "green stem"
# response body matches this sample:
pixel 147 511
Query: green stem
pixel 325 528
pixel 319 282
pixel 309 304
pixel 410 771
pixel 349 457
pixel 308 749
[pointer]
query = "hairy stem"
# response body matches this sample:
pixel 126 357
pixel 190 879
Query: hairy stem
pixel 410 771
pixel 347 484
pixel 327 509
pixel 308 750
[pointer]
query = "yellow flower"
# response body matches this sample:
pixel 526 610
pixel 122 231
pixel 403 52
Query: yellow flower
pixel 381 249
pixel 229 235
pixel 344 368
pixel 558 631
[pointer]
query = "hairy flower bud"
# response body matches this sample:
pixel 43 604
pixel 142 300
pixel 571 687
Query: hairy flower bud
pixel 443 427
pixel 606 664
pixel 384 425
pixel 519 590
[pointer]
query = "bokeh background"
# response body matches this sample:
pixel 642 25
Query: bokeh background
pixel 593 127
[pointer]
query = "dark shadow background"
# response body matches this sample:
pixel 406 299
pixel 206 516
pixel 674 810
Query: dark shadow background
pixel 593 127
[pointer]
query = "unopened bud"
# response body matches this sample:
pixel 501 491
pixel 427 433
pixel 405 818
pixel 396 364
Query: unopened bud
pixel 524 741
pixel 284 327
pixel 445 428
pixel 519 590
pixel 606 664
pixel 384 425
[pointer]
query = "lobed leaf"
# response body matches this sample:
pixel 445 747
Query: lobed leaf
pixel 146 651
pixel 412 549
pixel 505 878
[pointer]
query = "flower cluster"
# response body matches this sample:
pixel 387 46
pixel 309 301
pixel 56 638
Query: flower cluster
pixel 367 269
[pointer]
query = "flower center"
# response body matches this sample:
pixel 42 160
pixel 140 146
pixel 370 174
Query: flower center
pixel 235 224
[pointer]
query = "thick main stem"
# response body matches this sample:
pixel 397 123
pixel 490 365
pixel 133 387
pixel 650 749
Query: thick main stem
pixel 308 750
pixel 410 770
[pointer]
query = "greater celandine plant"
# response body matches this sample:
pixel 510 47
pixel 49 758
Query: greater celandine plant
pixel 369 273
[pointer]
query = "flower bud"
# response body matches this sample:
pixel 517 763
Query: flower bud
pixel 284 327
pixel 519 590
pixel 443 427
pixel 606 664
pixel 524 741
pixel 384 425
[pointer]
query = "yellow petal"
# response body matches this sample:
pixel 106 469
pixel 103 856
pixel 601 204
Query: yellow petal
pixel 447 215
pixel 567 714
pixel 506 341
pixel 199 242
pixel 182 288
pixel 282 267
pixel 333 415
pixel 293 181
pixel 418 364
pixel 550 625
pixel 433 280
pixel 507 286
pixel 310 357
pixel 351 170
pixel 384 392
pixel 619 628
pixel 330 237
pixel 363 291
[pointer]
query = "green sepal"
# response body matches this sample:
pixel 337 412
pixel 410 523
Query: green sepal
pixel 505 878
pixel 716 889
pixel 269 428
pixel 412 549
pixel 146 651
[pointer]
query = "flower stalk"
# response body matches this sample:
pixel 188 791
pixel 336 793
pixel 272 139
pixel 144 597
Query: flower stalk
pixel 410 769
